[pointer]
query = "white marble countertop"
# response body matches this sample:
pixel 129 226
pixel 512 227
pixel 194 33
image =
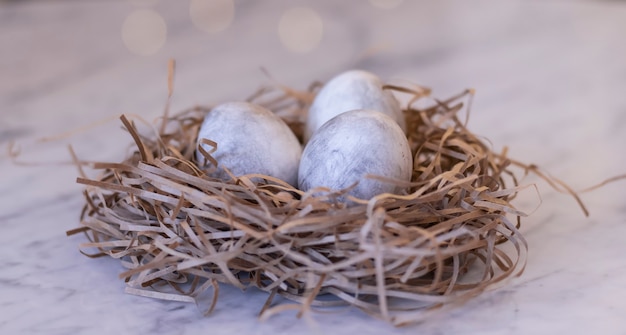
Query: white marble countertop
pixel 550 79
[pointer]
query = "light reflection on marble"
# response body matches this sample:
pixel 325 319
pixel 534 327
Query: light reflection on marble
pixel 550 79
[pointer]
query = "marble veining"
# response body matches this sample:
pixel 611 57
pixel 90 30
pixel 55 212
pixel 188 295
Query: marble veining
pixel 550 78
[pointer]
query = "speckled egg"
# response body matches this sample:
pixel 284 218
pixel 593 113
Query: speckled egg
pixel 250 139
pixel 352 145
pixel 351 90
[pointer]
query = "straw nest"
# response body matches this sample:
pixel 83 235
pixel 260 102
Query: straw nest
pixel 180 233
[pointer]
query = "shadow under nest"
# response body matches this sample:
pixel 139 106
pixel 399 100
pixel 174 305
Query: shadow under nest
pixel 180 233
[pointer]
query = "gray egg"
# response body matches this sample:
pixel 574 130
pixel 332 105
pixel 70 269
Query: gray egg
pixel 351 90
pixel 352 145
pixel 250 139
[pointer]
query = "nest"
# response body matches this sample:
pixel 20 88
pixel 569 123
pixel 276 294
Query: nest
pixel 180 233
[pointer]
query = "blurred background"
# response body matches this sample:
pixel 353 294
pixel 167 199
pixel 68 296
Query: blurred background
pixel 536 65
pixel 549 76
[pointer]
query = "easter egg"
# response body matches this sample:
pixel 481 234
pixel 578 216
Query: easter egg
pixel 351 90
pixel 250 139
pixel 352 145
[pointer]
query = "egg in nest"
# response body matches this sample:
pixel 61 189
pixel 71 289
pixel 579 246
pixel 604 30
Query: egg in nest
pixel 350 90
pixel 352 145
pixel 250 139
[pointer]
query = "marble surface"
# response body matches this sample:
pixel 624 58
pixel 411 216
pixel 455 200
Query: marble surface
pixel 550 79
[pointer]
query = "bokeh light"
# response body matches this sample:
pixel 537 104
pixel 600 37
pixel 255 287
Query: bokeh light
pixel 212 16
pixel 143 3
pixel 386 4
pixel 144 32
pixel 300 29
